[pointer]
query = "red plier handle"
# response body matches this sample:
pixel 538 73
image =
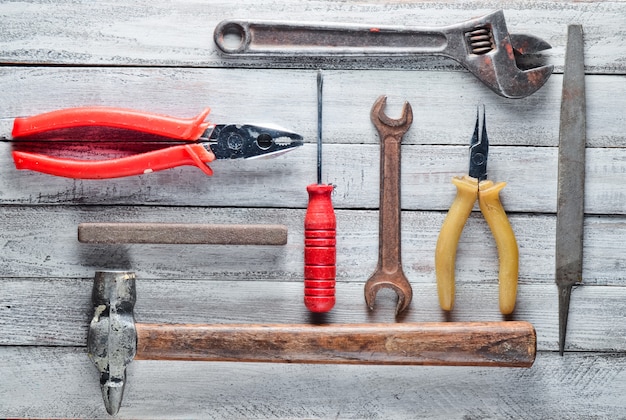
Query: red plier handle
pixel 164 126
pixel 144 163
pixel 161 125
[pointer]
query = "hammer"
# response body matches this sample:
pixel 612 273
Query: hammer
pixel 115 340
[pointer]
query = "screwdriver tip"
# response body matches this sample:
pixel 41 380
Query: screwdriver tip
pixel 320 84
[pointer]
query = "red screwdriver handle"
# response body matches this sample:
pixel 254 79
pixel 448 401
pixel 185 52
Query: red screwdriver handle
pixel 320 255
pixel 145 122
pixel 157 160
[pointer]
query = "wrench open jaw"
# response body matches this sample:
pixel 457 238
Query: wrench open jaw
pixel 482 45
pixel 388 273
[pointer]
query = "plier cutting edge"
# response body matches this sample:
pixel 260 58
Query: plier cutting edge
pixel 197 142
pixel 469 188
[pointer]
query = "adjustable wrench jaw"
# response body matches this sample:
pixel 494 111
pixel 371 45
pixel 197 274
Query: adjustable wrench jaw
pixel 494 56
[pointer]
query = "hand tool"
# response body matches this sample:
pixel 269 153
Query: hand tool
pixel 115 340
pixel 202 142
pixel 469 189
pixel 388 273
pixel 482 45
pixel 571 182
pixel 319 233
pixel 181 233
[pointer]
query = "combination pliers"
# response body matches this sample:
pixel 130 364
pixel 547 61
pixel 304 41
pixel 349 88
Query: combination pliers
pixel 173 141
pixel 470 188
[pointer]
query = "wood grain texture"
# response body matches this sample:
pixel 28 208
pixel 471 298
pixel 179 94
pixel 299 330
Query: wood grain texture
pixel 23 301
pixel 494 344
pixel 427 171
pixel 439 99
pixel 586 385
pixel 159 56
pixel 180 33
pixel 35 244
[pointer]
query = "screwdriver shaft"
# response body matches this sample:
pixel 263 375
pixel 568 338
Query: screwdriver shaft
pixel 320 85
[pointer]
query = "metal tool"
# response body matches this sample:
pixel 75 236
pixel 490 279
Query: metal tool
pixel 112 338
pixel 483 45
pixel 388 273
pixel 115 340
pixel 571 182
pixel 202 142
pixel 181 233
pixel 320 226
pixel 469 189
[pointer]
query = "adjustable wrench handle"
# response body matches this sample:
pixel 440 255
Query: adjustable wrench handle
pixel 282 38
pixel 459 41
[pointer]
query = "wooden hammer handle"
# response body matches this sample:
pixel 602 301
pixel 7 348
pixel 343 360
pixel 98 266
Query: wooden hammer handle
pixel 505 344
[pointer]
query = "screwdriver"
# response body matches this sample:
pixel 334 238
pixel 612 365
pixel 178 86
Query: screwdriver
pixel 319 233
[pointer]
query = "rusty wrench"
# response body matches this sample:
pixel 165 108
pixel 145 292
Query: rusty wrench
pixel 482 45
pixel 389 272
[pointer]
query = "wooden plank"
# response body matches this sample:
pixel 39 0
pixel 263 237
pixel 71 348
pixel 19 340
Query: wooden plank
pixel 530 173
pixel 159 56
pixel 162 33
pixel 57 311
pixel 42 242
pixel 261 96
pixel 61 382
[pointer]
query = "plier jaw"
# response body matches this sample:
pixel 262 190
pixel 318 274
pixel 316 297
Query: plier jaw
pixel 230 141
pixel 479 149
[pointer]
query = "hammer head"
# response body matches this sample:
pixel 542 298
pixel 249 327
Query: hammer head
pixel 495 56
pixel 112 340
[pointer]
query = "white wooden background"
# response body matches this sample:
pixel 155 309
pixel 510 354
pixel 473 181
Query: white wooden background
pixel 159 56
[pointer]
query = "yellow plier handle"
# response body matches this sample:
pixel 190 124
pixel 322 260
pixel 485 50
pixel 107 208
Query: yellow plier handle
pixel 445 253
pixel 508 252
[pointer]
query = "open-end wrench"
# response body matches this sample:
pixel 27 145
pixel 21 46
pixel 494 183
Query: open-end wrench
pixel 483 45
pixel 389 272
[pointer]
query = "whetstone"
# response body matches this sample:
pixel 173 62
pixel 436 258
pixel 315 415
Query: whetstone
pixel 181 233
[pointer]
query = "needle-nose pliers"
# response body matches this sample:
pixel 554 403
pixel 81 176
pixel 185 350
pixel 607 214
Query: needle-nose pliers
pixel 469 188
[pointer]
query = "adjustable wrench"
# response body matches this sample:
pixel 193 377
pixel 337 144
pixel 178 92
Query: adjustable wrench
pixel 483 45
pixel 389 272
